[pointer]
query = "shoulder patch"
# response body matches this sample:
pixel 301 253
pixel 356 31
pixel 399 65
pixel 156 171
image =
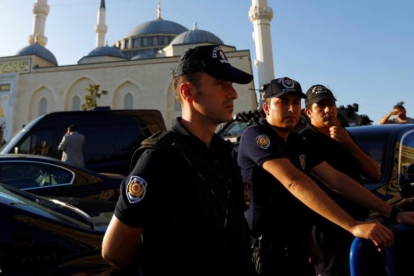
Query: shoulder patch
pixel 263 141
pixel 136 189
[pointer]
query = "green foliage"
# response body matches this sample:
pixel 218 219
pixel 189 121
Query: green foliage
pixel 90 99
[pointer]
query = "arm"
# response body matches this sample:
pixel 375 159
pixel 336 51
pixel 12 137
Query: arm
pixel 369 166
pixel 352 190
pixel 308 192
pixel 120 243
pixel 386 118
pixel 62 145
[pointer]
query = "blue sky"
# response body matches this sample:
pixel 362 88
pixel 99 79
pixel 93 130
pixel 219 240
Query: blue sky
pixel 362 50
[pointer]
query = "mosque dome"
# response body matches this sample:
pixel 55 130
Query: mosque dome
pixel 38 50
pixel 106 51
pixel 149 37
pixel 196 36
pixel 158 26
pixel 142 56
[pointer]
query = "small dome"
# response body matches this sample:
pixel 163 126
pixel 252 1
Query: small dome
pixel 143 56
pixel 196 36
pixel 158 26
pixel 38 50
pixel 106 51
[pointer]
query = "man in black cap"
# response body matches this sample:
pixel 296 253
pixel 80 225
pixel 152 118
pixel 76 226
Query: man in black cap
pixel 185 199
pixel 278 162
pixel 340 150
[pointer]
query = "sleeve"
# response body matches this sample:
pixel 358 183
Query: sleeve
pixel 140 191
pixel 62 145
pixel 259 145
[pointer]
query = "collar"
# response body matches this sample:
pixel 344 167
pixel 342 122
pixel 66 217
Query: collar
pixel 194 141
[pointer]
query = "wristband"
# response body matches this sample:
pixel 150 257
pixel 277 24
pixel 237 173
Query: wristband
pixel 393 215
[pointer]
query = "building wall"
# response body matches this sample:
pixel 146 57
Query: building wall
pixel 148 81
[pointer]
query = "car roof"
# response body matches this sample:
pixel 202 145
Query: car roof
pixel 380 129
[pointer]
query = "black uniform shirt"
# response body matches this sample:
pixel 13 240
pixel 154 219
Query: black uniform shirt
pixel 183 227
pixel 340 159
pixel 276 211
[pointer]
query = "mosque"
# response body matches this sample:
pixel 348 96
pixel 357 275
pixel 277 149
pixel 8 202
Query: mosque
pixel 136 71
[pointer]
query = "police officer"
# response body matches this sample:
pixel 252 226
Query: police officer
pixel 185 201
pixel 339 149
pixel 277 161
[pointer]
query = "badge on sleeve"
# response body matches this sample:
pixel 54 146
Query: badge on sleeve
pixel 263 141
pixel 136 189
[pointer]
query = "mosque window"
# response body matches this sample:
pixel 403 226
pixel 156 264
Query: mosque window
pixel 126 44
pixel 128 101
pixel 76 103
pixel 42 106
pixel 155 40
pixel 137 42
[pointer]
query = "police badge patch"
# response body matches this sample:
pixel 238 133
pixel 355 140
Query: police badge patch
pixel 136 189
pixel 263 141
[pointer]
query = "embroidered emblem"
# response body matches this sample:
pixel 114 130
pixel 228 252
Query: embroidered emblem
pixel 136 189
pixel 302 159
pixel 263 141
pixel 319 90
pixel 288 83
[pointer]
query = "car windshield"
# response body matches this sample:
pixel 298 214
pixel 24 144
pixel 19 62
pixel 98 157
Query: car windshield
pixel 53 208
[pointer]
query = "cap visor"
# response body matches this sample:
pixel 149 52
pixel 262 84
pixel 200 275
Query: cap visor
pixel 230 73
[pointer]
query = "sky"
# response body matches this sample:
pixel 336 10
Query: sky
pixel 361 50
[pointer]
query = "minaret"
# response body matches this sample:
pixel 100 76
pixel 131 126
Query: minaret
pixel 100 27
pixel 40 12
pixel 159 12
pixel 261 15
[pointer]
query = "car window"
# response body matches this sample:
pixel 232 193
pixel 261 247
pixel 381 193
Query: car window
pixel 24 175
pixel 407 156
pixel 38 143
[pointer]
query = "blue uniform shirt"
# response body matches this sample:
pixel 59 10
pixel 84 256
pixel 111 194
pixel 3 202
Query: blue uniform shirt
pixel 276 212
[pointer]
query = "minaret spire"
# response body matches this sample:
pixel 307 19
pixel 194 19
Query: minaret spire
pixel 100 27
pixel 40 12
pixel 261 15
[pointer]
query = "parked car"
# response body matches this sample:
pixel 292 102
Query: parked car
pixel 393 148
pixel 48 176
pixel 40 236
pixel 111 136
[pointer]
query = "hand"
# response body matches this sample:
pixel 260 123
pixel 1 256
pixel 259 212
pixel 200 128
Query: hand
pixel 378 233
pixel 405 217
pixel 340 134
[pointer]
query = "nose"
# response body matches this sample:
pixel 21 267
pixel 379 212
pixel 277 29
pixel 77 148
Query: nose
pixel 232 93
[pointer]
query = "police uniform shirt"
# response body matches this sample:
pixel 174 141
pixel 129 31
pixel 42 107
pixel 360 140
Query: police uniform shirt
pixel 161 196
pixel 276 210
pixel 339 158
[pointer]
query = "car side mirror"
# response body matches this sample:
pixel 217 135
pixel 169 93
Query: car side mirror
pixel 406 187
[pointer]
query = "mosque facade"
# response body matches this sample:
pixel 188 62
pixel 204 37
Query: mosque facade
pixel 136 71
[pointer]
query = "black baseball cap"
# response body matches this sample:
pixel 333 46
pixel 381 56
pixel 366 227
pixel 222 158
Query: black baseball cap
pixel 317 93
pixel 281 86
pixel 212 60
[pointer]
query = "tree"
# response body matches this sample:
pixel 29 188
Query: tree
pixel 90 98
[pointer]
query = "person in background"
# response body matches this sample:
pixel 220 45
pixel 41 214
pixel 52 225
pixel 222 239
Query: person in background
pixel 340 150
pixel 364 120
pixel 72 147
pixel 400 116
pixel 181 210
pixel 278 163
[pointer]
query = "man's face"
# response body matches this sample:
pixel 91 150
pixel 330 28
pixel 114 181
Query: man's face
pixel 323 113
pixel 283 112
pixel 213 99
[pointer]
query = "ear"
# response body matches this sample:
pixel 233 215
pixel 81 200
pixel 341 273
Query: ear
pixel 308 112
pixel 186 91
pixel 266 108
